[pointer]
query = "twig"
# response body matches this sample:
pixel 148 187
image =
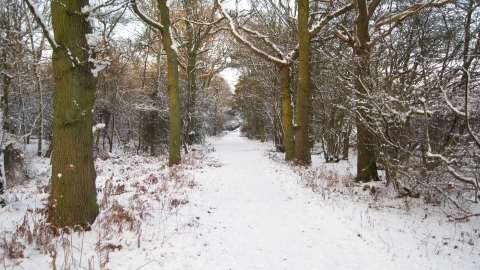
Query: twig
pixel 467 216
pixel 150 262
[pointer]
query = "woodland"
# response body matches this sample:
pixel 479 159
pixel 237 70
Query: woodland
pixel 391 84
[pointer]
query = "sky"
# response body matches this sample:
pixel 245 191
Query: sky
pixel 231 76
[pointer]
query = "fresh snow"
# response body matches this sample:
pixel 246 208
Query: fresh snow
pixel 98 126
pixel 255 214
pixel 247 209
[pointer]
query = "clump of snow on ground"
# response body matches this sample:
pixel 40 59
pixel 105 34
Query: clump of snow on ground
pixel 236 205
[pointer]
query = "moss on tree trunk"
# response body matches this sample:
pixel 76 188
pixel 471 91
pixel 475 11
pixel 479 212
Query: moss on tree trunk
pixel 73 172
pixel 302 144
pixel 173 93
pixel 287 114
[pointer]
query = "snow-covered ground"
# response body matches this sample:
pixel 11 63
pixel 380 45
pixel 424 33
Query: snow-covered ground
pixel 238 206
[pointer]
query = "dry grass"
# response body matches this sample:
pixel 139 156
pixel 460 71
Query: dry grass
pixel 131 198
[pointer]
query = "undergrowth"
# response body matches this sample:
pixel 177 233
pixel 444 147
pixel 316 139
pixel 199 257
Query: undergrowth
pixel 137 197
pixel 335 180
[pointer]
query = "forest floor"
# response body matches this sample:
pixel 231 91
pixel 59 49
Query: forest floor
pixel 236 205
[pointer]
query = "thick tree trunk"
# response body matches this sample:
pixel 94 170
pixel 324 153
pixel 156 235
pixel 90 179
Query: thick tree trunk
pixel 15 172
pixel 366 163
pixel 302 144
pixel 73 172
pixel 366 141
pixel 287 112
pixel 366 144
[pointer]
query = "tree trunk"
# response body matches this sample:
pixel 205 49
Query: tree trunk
pixel 37 56
pixel 110 142
pixel 366 142
pixel 6 87
pixel 15 172
pixel 366 145
pixel 302 145
pixel 73 172
pixel 191 96
pixel 191 76
pixel 287 113
pixel 346 142
pixel 173 95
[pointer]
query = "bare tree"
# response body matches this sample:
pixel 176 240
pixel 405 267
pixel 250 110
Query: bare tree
pixel 172 71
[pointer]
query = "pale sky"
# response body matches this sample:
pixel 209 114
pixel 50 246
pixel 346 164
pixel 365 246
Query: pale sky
pixel 231 76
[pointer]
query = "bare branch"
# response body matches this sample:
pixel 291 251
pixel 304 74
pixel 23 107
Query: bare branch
pixel 39 18
pixel 262 54
pixel 400 17
pixel 452 201
pixel 462 178
pixel 145 18
pixel 467 120
pixel 468 216
pixel 319 26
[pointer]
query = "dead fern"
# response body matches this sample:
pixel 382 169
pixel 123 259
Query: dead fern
pixel 12 248
pixel 117 220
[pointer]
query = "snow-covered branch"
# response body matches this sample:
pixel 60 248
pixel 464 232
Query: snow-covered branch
pixel 447 101
pixel 145 17
pixel 86 10
pixel 467 180
pixel 464 114
pixel 264 38
pixel 462 178
pixel 247 43
pixel 47 32
pixel 400 17
pixel 416 8
pixel 319 26
pixel 448 198
pixel 467 116
pixel 202 23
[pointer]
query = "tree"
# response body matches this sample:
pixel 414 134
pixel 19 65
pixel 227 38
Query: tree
pixel 195 27
pixel 73 192
pixel 283 62
pixel 11 20
pixel 172 73
pixel 218 103
pixel 302 142
pixel 36 56
pixel 283 57
pixel 362 42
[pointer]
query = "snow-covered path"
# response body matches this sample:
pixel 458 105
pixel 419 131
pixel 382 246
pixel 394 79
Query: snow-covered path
pixel 246 211
pixel 252 215
pixel 258 220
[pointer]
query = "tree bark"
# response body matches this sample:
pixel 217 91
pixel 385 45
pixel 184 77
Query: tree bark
pixel 302 144
pixel 173 93
pixel 191 94
pixel 73 172
pixel 287 112
pixel 174 144
pixel 366 144
pixel 6 86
